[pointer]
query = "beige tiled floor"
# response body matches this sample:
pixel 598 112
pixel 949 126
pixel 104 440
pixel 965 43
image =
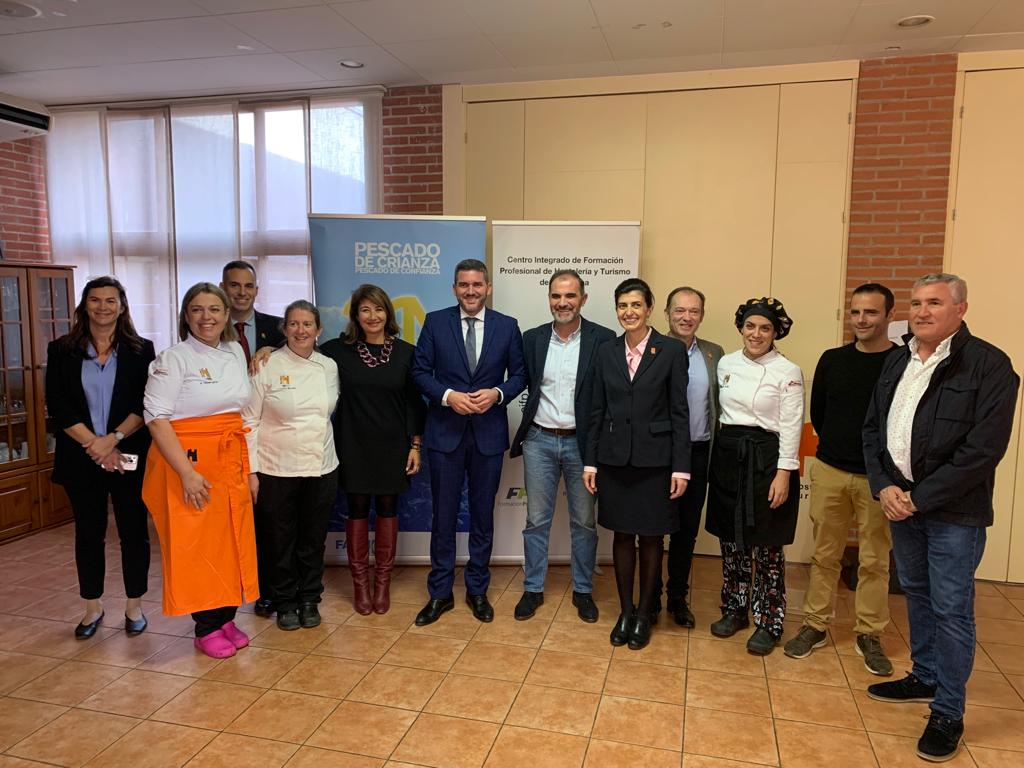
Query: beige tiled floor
pixel 370 691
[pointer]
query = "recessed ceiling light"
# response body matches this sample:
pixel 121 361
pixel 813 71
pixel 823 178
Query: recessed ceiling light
pixel 58 13
pixel 351 64
pixel 245 47
pixel 666 24
pixel 11 9
pixel 915 21
pixel 893 48
pixel 639 26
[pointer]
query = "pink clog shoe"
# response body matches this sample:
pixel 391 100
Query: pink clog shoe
pixel 216 645
pixel 237 637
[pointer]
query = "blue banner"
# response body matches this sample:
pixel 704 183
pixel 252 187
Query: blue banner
pixel 413 259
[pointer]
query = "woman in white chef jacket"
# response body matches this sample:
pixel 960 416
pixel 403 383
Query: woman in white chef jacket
pixel 754 487
pixel 293 465
pixel 196 485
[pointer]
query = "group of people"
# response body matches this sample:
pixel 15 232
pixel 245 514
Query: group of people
pixel 644 427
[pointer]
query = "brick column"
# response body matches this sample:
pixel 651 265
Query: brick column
pixel 24 228
pixel 412 150
pixel 901 163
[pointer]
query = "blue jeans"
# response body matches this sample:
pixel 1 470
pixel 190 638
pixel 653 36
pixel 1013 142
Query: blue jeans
pixel 546 458
pixel 936 562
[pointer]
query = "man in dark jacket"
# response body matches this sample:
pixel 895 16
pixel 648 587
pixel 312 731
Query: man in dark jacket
pixel 938 425
pixel 559 359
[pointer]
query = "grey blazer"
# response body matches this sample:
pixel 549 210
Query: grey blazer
pixel 711 353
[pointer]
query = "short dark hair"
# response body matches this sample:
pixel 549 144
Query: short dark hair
pixel 237 264
pixel 685 289
pixel 471 265
pixel 631 284
pixel 890 300
pixel 568 273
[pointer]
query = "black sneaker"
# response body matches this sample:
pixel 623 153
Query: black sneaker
pixel 941 738
pixel 729 624
pixel 681 613
pixel 910 688
pixel 586 608
pixel 309 615
pixel 528 605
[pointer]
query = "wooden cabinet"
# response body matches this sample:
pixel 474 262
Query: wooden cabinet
pixel 36 306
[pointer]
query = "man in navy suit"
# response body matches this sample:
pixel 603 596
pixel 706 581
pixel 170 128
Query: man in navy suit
pixel 559 359
pixel 463 357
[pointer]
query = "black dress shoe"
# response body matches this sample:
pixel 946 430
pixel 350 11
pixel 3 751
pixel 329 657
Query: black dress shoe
pixel 482 610
pixel 309 615
pixel 620 632
pixel 586 608
pixel 432 611
pixel 681 613
pixel 135 626
pixel 84 631
pixel 639 632
pixel 288 620
pixel 729 624
pixel 264 607
pixel 528 605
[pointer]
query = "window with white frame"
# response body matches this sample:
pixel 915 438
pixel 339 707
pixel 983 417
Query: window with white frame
pixel 162 197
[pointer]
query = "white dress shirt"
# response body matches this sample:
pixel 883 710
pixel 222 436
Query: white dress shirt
pixel 289 416
pixel 900 423
pixel 767 393
pixel 194 379
pixel 556 408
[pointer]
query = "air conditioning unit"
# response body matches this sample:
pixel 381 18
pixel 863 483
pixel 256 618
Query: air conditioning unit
pixel 20 119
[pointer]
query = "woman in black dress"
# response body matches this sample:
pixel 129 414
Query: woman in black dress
pixel 638 451
pixel 378 431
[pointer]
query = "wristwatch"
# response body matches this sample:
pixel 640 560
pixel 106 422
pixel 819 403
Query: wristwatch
pixel 118 436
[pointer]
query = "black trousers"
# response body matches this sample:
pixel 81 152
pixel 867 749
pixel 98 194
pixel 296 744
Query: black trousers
pixel 292 515
pixel 89 503
pixel 213 619
pixel 690 505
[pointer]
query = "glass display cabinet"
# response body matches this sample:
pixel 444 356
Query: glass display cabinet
pixel 36 305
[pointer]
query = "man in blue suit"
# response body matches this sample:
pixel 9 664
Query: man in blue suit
pixel 463 356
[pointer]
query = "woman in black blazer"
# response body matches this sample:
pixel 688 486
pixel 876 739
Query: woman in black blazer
pixel 638 451
pixel 97 373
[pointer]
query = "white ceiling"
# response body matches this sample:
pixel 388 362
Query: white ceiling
pixel 106 50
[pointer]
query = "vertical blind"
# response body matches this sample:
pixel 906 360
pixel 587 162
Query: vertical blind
pixel 163 197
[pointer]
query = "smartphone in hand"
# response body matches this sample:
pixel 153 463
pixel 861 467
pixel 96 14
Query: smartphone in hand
pixel 129 461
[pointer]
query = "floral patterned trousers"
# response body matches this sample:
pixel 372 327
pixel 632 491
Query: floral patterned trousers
pixel 764 568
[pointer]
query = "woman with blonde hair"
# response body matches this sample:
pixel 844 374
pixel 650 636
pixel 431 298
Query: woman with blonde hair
pixel 196 485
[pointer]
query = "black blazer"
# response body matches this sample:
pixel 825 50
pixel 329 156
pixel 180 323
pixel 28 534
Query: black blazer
pixel 644 422
pixel 67 406
pixel 535 353
pixel 268 331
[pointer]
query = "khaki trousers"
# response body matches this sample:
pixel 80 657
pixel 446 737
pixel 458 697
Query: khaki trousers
pixel 840 500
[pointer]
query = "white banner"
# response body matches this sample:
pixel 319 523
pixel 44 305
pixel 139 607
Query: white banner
pixel 525 255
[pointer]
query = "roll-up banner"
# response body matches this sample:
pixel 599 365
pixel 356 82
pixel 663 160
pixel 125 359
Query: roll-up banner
pixel 413 259
pixel 525 255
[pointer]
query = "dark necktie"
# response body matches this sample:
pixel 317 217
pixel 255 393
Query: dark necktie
pixel 240 327
pixel 471 343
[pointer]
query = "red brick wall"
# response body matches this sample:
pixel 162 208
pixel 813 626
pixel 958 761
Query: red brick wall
pixel 24 230
pixel 412 150
pixel 900 171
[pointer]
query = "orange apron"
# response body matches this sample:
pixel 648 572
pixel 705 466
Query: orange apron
pixel 209 554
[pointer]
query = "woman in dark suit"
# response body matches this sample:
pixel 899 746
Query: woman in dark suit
pixel 95 379
pixel 638 451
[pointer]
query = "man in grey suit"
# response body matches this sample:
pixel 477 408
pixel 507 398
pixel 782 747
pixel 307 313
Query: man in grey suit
pixel 685 312
pixel 559 371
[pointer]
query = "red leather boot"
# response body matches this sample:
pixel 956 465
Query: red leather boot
pixel 358 548
pixel 384 546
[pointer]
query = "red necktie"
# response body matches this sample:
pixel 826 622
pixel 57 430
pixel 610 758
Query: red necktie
pixel 240 327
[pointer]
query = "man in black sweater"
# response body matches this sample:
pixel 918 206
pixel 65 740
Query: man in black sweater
pixel 840 497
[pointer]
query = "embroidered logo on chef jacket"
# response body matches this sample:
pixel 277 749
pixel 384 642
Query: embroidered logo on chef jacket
pixel 285 382
pixel 205 373
pixel 725 379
